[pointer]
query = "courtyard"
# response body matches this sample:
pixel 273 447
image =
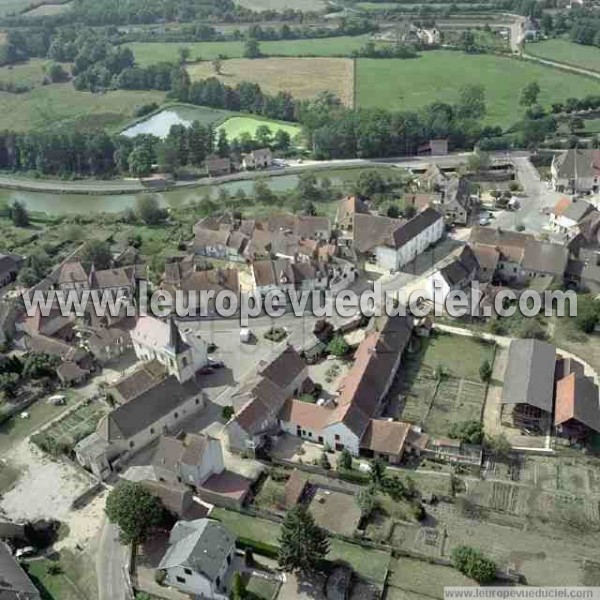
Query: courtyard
pixel 335 511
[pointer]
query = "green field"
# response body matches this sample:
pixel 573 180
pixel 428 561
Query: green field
pixel 147 53
pixel 235 126
pixel 438 76
pixel 567 52
pixel 30 73
pixel 54 106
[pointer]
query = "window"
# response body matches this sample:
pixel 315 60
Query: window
pixel 184 362
pixel 337 437
pixel 151 430
pixel 197 400
pixel 131 444
pixel 187 571
pixel 176 415
pixel 180 579
pixel 218 581
pixel 229 559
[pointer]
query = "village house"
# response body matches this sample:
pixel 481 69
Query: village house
pixel 10 265
pixel 119 282
pixel 433 179
pixel 313 228
pixel 361 393
pixel 436 146
pixel 528 391
pixel 456 202
pixel 217 166
pixel 177 498
pixel 71 276
pixel 199 559
pixel 183 353
pixel 392 440
pixel 566 216
pixel 517 258
pixel 458 272
pixel 258 400
pixel 576 170
pixel 107 344
pixel 348 207
pixel 261 158
pixel 220 243
pixel 285 275
pixel 577 411
pixel 147 413
pixel 190 459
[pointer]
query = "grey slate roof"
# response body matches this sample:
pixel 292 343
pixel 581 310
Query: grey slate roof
pixel 529 376
pixel 201 545
pixel 577 210
pixel 578 162
pixel 461 267
pixel 415 226
pixel 545 257
pixel 14 583
pixel 146 408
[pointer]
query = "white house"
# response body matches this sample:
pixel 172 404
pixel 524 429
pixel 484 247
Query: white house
pixel 566 215
pixel 410 239
pixel 361 394
pixel 190 460
pixel 456 274
pixel 199 559
pixel 182 352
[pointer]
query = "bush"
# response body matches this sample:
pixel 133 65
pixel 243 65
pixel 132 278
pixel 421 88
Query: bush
pixel 474 564
pixel 275 334
pixel 262 548
pixel 344 461
pixel 227 412
pixel 338 346
pixel 469 432
pixel 324 462
pixel 485 371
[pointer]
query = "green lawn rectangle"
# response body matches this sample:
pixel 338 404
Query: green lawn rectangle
pixel 235 126
pixel 569 53
pixel 439 75
pixel 459 355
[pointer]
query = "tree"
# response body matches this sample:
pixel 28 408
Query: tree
pixel 167 155
pixel 217 63
pixel 324 462
pixel 227 412
pixel 378 470
pixel 478 161
pixel 471 103
pixel 338 346
pixel 302 543
pixel 9 382
pixel 367 500
pixel 467 41
pixel 393 212
pixel 282 140
pixel 394 488
pixel 251 48
pixel 263 136
pixel 19 214
pixel 37 365
pixel 97 253
pixel 344 460
pixel 134 510
pixel 149 210
pixel 222 143
pixel 57 74
pixel 184 54
pixel 473 564
pixel 500 446
pixel 529 94
pixel 485 371
pixel 140 159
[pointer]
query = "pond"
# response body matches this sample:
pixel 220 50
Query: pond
pixel 160 123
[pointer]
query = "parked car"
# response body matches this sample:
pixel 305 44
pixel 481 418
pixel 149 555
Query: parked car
pixel 245 335
pixel 215 364
pixel 57 400
pixel 26 551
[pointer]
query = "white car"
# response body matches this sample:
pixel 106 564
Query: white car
pixel 57 400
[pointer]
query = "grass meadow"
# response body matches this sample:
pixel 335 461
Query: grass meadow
pixel 235 126
pixel 564 51
pixel 439 75
pixel 147 53
pixel 302 77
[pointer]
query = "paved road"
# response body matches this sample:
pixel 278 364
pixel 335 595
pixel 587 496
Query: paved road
pixel 111 566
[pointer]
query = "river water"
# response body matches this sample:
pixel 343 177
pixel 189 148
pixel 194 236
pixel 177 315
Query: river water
pixel 84 203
